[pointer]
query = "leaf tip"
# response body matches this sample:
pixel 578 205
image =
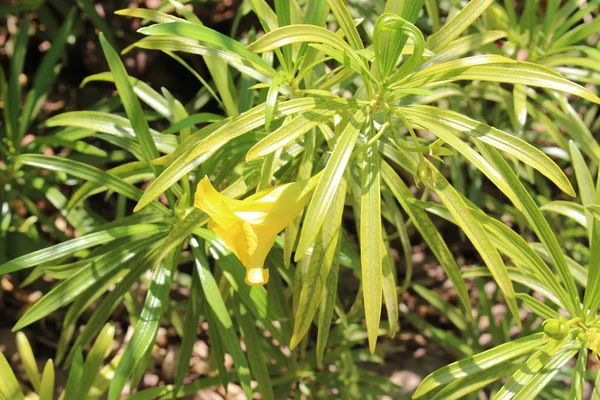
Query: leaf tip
pixel 139 206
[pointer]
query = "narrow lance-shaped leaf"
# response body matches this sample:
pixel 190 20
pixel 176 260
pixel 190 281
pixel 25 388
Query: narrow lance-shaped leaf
pixel 130 102
pixel 145 330
pixel 344 19
pixel 371 256
pixel 254 351
pixel 47 384
pixel 326 308
pixel 80 280
pixel 190 329
pixel 28 360
pixel 13 92
pixel 390 294
pixel 493 68
pixel 540 226
pixel 74 379
pixel 225 325
pixel 429 232
pixel 192 220
pixel 408 10
pixel 457 25
pixel 212 37
pixel 10 388
pixel 87 172
pixel 329 182
pixel 74 245
pixel 321 260
pixel 578 385
pixel 539 381
pixel 528 370
pixel 94 359
pixel 45 74
pixel 475 232
pixel 482 361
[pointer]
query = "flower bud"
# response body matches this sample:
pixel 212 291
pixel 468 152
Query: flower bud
pixel 556 329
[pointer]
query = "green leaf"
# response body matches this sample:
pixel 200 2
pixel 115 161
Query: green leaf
pixel 540 226
pixel 111 124
pixel 460 388
pixel 585 182
pixel 520 107
pixel 10 388
pixel 75 374
pixel 28 360
pixel 430 233
pixel 190 329
pixel 592 301
pixel 89 173
pixel 578 385
pixel 299 33
pixel 528 370
pixel 408 10
pixel 152 15
pixel 166 392
pixel 145 330
pixel 385 63
pixel 494 68
pixel 445 339
pixel 596 390
pixel 329 182
pixel 74 245
pixel 441 121
pixel 449 311
pixel 83 278
pixel 482 361
pixel 457 25
pixel 539 381
pixel 141 89
pixel 126 171
pixel 192 120
pixel 297 127
pixel 390 293
pixel 569 209
pixel 371 256
pixel 46 391
pixel 326 308
pixel 346 23
pixel 476 233
pixel 13 90
pixel 211 37
pixel 177 168
pixel 225 325
pixel 102 346
pixel 130 101
pixel 246 122
pixel 464 45
pixel 321 260
pixel 255 355
pixel 538 307
pixel 45 74
pixel 190 221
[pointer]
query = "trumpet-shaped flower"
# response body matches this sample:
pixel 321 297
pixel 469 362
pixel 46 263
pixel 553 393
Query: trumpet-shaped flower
pixel 249 227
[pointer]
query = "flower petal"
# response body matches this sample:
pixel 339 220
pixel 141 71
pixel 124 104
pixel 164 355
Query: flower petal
pixel 215 204
pixel 257 276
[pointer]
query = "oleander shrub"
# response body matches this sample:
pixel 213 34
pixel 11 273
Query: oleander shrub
pixel 283 199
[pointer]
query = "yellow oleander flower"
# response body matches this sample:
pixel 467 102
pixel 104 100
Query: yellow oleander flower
pixel 249 227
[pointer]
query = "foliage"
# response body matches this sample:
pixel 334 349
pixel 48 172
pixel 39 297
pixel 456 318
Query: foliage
pixel 343 120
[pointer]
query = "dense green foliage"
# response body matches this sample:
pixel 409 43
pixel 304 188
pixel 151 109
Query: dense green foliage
pixel 480 114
